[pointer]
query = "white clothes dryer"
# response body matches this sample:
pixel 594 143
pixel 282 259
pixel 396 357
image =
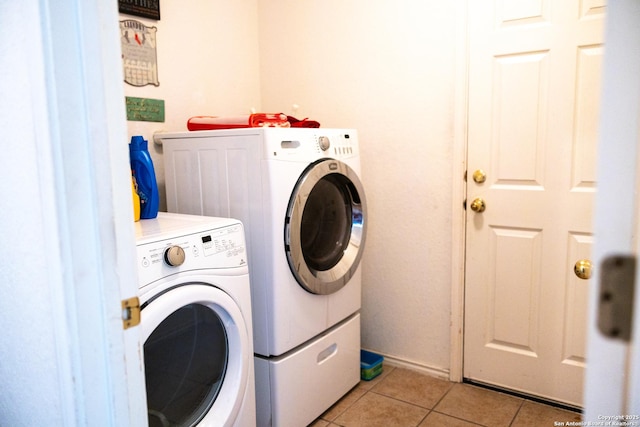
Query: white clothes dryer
pixel 196 321
pixel 299 194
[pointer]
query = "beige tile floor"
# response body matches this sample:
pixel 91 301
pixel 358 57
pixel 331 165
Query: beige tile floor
pixel 401 397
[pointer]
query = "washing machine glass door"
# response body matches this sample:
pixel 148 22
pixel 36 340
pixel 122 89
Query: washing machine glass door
pixel 325 226
pixel 196 356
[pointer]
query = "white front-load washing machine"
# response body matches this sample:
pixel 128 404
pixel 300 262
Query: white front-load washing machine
pixel 299 194
pixel 196 321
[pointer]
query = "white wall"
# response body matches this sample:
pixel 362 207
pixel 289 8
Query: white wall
pixel 387 69
pixel 207 65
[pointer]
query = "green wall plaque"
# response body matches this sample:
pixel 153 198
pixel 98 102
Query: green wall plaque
pixel 145 109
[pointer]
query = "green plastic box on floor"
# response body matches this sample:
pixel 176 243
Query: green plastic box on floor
pixel 370 365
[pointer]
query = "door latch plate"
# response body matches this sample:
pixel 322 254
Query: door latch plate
pixel 130 312
pixel 615 305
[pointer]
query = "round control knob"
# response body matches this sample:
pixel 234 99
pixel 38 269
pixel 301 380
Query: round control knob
pixel 324 143
pixel 174 256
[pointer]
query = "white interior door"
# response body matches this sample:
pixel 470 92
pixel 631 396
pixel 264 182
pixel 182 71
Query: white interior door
pixel 69 260
pixel 534 84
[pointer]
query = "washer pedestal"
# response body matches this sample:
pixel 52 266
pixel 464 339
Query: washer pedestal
pixel 305 382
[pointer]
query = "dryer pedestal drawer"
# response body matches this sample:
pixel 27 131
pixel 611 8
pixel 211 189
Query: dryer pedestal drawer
pixel 296 388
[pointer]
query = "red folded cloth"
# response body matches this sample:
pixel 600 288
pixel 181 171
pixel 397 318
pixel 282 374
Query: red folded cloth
pixel 233 122
pixel 304 123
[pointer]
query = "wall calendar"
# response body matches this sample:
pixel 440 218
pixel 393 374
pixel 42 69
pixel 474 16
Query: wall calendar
pixel 139 57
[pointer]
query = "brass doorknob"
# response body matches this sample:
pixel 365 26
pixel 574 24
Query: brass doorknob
pixel 478 205
pixel 479 176
pixel 583 269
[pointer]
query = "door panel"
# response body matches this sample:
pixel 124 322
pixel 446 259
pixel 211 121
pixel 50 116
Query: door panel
pixel 533 105
pixel 575 310
pixel 585 137
pixel 512 324
pixel 522 12
pixel 519 102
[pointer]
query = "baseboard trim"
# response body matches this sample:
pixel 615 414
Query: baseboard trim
pixel 407 364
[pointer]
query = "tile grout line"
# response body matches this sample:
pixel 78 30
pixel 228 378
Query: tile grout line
pixel 449 415
pixel 429 410
pixel 517 412
pixel 346 408
pixel 425 417
pixel 356 400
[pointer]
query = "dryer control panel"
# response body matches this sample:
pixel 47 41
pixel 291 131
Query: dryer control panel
pixel 311 144
pixel 220 248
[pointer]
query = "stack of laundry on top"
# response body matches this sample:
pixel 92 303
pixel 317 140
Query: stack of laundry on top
pixel 233 122
pixel 248 121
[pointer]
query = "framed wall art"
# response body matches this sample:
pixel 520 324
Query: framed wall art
pixel 143 8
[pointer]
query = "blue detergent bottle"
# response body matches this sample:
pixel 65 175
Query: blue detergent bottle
pixel 145 177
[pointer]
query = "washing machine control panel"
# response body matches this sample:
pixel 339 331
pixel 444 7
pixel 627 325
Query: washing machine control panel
pixel 213 249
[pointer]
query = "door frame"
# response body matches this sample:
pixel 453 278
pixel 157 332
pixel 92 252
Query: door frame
pixel 70 126
pixel 87 137
pixel 459 192
pixel 614 365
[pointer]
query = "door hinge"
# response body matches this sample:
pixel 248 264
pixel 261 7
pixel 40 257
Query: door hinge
pixel 615 305
pixel 130 312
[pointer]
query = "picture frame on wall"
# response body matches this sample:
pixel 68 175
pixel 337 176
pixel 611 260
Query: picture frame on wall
pixel 143 8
